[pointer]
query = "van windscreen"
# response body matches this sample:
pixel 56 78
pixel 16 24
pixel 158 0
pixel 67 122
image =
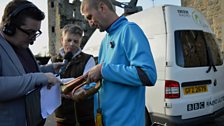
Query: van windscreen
pixel 196 49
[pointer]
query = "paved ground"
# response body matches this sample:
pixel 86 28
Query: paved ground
pixel 50 121
pixel 218 122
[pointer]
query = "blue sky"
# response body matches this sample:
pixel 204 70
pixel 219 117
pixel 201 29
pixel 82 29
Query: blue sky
pixel 40 46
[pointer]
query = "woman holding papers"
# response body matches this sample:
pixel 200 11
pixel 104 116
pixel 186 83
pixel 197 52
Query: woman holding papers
pixel 19 71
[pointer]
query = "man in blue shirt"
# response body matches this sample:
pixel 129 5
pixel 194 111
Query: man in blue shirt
pixel 125 66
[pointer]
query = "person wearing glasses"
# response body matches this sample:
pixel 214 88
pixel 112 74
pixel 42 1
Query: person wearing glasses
pixel 72 113
pixel 125 65
pixel 19 71
pixel 32 33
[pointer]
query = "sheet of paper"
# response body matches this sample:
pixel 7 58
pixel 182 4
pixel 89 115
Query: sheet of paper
pixel 50 100
pixel 64 80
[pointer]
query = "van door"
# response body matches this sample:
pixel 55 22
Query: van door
pixel 199 71
pixel 216 70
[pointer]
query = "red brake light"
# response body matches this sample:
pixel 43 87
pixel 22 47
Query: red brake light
pixel 172 89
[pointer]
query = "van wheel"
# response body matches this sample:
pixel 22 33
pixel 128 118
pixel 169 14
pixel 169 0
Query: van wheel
pixel 148 121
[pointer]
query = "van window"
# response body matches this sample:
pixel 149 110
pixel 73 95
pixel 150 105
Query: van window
pixel 215 50
pixel 196 49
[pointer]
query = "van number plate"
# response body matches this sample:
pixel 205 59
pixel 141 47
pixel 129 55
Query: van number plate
pixel 195 89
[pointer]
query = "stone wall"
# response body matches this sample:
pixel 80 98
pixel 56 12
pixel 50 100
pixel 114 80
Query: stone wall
pixel 213 11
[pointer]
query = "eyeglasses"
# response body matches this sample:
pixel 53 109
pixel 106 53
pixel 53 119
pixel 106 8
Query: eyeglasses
pixel 32 34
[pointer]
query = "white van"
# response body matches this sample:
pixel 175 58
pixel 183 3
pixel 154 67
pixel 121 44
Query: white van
pixel 190 85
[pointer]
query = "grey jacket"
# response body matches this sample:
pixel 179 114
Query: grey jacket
pixel 14 84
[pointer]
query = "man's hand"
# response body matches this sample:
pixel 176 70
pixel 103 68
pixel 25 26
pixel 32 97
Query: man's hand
pixel 52 80
pixel 94 74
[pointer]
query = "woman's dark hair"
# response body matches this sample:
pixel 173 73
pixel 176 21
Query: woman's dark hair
pixel 18 19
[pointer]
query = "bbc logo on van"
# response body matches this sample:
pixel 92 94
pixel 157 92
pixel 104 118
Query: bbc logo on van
pixel 196 106
pixel 201 105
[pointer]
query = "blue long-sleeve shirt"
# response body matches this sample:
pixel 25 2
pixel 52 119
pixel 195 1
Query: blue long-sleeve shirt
pixel 122 96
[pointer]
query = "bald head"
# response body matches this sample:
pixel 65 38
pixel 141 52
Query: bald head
pixel 94 4
pixel 100 14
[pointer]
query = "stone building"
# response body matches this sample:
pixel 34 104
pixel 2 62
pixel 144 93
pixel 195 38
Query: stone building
pixel 213 11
